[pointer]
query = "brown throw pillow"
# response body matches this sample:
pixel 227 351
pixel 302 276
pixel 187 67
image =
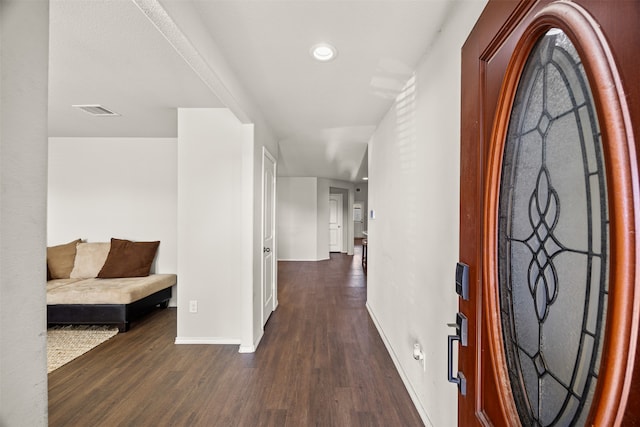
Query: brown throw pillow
pixel 60 259
pixel 129 259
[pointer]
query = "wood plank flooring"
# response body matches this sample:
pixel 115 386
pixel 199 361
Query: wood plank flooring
pixel 321 362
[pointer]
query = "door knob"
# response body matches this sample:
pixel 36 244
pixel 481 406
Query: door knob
pixel 266 249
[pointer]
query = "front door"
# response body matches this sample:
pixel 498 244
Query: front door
pixel 550 204
pixel 268 234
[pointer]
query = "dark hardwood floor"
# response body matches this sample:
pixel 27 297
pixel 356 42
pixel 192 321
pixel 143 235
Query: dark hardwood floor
pixel 321 362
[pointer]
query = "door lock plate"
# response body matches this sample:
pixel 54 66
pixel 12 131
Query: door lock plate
pixel 462 280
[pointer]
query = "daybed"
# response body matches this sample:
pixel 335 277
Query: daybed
pixel 104 283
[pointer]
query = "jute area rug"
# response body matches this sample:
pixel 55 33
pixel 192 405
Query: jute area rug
pixel 65 343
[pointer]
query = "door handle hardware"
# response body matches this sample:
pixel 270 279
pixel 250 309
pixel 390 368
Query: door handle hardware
pixel 266 249
pixel 459 379
pixel 461 328
pixel 462 280
pixel 462 337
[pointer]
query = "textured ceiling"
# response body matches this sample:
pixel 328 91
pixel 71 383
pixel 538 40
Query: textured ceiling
pixel 267 43
pixel 109 53
pixel 323 114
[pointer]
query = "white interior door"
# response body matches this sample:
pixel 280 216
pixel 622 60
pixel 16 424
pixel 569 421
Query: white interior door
pixel 268 233
pixel 335 223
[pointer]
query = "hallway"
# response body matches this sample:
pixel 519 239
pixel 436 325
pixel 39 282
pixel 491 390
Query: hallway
pixel 321 362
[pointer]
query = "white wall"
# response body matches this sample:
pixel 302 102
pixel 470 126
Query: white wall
pixel 114 187
pixel 297 212
pixel 362 197
pixel 221 79
pixel 215 225
pixel 24 43
pixel 413 242
pixel 303 217
pixel 322 221
pixel 126 188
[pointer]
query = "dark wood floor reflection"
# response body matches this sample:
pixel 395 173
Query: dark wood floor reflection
pixel 321 363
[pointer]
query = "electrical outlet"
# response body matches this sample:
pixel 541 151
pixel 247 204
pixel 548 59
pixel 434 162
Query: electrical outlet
pixel 193 306
pixel 418 354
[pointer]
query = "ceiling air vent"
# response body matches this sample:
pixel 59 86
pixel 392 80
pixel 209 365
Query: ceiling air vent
pixel 96 110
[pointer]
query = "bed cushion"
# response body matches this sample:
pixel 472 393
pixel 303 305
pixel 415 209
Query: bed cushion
pixel 108 291
pixel 129 259
pixel 60 259
pixel 90 258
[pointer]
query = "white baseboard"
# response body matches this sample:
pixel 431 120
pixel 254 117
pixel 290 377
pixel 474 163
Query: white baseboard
pixel 251 348
pixel 403 376
pixel 207 340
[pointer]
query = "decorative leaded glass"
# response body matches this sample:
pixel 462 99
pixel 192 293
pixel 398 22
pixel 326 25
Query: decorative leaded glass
pixel 553 239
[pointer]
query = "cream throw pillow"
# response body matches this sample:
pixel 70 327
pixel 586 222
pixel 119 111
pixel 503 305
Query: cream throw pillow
pixel 90 258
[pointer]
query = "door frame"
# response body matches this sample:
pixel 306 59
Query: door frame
pixel 274 268
pixel 340 217
pixel 362 215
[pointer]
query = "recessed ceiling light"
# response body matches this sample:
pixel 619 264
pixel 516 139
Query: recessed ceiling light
pixel 323 52
pixel 365 178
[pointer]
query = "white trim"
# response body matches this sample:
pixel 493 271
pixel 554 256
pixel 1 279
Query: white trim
pixel 207 340
pixel 304 259
pixel 269 155
pixel 251 348
pixel 403 375
pixel 339 197
pixel 247 234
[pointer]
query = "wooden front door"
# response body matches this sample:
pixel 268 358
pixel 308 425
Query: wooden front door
pixel 550 206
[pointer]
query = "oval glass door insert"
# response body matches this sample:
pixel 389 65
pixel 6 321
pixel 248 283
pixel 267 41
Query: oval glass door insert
pixel 553 238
